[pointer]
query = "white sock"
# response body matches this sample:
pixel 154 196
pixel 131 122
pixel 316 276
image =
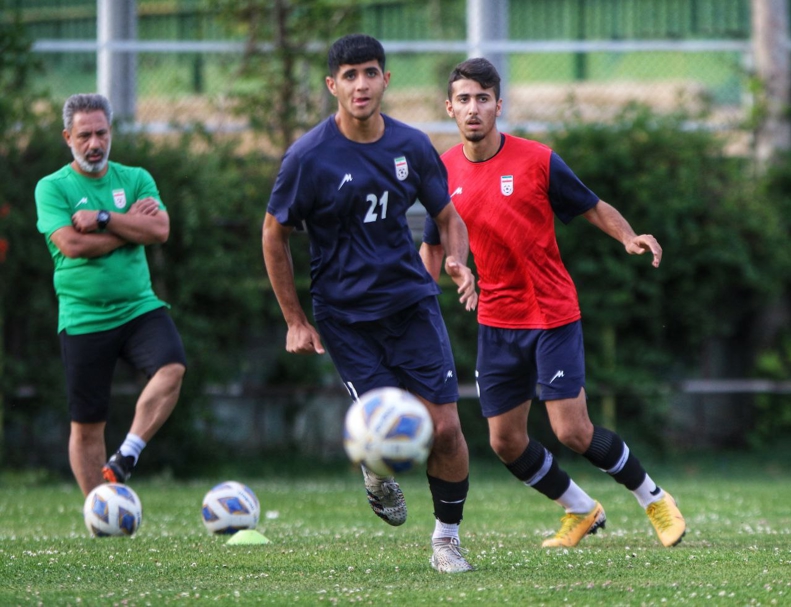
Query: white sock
pixel 133 445
pixel 648 492
pixel 575 500
pixel 444 530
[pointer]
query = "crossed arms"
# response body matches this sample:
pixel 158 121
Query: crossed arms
pixel 143 224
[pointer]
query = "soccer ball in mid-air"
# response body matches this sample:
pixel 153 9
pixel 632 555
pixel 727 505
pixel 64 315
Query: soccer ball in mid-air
pixel 112 509
pixel 230 507
pixel 389 431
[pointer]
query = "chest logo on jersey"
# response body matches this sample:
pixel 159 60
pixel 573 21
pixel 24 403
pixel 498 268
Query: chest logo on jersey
pixel 507 185
pixel 402 170
pixel 119 198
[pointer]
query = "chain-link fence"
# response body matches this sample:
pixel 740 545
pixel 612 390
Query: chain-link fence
pixel 564 59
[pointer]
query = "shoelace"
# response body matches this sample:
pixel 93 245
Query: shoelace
pixel 660 513
pixel 454 547
pixel 568 522
pixel 389 488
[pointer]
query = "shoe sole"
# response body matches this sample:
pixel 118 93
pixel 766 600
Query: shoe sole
pixel 438 570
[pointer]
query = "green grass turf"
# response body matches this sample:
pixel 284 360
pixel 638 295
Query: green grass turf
pixel 327 547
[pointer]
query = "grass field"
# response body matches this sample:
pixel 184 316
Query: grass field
pixel 327 547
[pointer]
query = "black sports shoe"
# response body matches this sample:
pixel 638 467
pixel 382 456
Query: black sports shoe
pixel 118 468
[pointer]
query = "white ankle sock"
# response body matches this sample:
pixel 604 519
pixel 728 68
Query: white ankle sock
pixel 575 500
pixel 648 492
pixel 444 530
pixel 133 445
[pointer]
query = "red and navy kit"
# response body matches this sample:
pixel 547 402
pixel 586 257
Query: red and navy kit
pixel 509 203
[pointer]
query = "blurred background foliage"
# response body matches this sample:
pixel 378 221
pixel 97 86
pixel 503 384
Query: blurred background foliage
pixel 717 307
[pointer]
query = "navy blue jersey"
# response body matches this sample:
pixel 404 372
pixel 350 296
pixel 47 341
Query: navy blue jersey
pixel 353 198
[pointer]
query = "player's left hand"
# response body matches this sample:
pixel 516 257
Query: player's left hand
pixel 464 278
pixel 644 243
pixel 84 221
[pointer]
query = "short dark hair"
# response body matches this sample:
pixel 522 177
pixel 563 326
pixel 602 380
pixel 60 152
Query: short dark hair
pixel 85 102
pixel 353 50
pixel 478 69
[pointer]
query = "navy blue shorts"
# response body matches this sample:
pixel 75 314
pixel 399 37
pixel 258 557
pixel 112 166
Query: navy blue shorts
pixel 516 365
pixel 409 349
pixel 148 343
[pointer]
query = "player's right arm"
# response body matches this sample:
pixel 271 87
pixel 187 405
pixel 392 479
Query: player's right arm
pixel 432 256
pixel 74 244
pixel 302 337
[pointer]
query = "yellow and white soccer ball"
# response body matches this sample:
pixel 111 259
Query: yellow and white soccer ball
pixel 112 509
pixel 389 431
pixel 230 507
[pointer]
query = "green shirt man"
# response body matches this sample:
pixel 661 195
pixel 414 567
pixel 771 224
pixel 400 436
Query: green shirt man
pixel 100 293
pixel 97 217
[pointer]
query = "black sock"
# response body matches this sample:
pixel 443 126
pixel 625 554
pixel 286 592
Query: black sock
pixel 449 498
pixel 608 452
pixel 536 467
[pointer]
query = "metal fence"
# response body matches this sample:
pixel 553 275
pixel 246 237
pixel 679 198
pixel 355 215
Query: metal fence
pixel 563 59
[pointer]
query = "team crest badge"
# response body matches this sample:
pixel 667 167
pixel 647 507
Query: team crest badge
pixel 507 184
pixel 402 170
pixel 119 198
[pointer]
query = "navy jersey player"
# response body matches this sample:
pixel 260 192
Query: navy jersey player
pixel 508 191
pixel 350 181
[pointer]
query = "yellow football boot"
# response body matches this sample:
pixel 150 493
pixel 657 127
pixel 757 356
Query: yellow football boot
pixel 667 520
pixel 576 526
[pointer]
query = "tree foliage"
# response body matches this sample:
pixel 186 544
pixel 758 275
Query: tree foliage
pixel 286 44
pixel 719 238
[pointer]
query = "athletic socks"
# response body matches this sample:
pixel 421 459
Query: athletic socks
pixel 575 501
pixel 538 469
pixel 609 453
pixel 445 530
pixel 132 445
pixel 648 492
pixel 448 498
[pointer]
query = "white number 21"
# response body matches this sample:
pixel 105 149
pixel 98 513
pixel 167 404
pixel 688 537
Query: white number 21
pixel 371 215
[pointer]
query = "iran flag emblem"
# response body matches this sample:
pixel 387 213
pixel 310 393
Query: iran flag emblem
pixel 507 184
pixel 402 170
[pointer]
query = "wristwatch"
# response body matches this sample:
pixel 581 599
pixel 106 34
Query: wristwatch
pixel 102 219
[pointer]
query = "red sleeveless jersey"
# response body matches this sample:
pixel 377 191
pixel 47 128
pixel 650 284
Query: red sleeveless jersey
pixel 505 203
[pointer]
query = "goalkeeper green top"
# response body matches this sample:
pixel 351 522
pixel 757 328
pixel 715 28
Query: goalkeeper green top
pixel 99 293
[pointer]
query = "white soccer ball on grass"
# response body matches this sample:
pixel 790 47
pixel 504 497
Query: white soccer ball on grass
pixel 112 509
pixel 389 431
pixel 230 507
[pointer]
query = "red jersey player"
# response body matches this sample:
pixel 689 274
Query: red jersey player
pixel 508 191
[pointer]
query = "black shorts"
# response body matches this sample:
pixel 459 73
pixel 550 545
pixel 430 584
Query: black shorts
pixel 515 365
pixel 148 343
pixel 409 349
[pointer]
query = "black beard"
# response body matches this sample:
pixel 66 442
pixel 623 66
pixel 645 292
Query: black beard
pixel 475 137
